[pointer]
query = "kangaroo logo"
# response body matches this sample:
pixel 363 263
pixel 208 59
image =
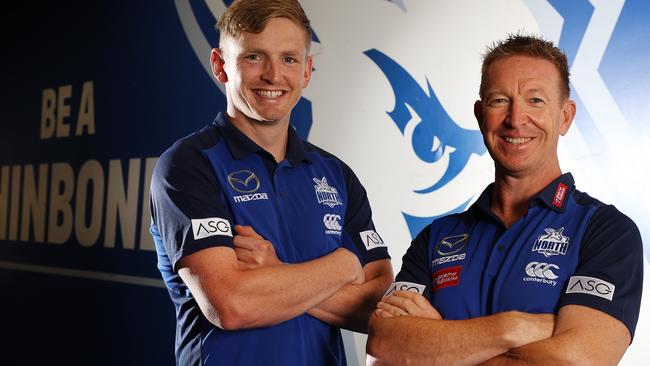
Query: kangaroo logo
pixel 435 134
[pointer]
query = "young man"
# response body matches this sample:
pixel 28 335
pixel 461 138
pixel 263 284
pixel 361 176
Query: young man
pixel 265 242
pixel 535 272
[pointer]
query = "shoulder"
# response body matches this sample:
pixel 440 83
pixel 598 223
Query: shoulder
pixel 187 151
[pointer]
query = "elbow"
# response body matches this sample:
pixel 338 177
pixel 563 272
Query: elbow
pixel 230 314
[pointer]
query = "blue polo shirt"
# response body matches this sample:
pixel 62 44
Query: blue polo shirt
pixel 569 248
pixel 307 205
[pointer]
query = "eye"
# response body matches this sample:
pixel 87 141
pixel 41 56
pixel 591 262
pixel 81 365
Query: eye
pixel 494 102
pixel 537 101
pixel 290 60
pixel 253 57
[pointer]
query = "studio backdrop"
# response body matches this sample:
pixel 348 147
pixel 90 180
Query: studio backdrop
pixel 94 92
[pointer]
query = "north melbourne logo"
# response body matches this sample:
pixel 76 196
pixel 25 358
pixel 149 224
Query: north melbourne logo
pixel 326 194
pixel 213 226
pixel 552 243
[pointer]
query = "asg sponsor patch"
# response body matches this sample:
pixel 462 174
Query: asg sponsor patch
pixel 212 226
pixel 446 277
pixel 591 286
pixel 371 239
pixel 405 286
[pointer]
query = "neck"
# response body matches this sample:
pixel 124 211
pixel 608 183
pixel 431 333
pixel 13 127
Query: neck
pixel 511 195
pixel 270 136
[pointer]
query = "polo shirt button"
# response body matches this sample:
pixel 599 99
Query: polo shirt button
pixel 282 194
pixel 500 248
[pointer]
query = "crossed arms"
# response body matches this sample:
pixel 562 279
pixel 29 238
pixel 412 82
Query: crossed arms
pixel 406 329
pixel 249 287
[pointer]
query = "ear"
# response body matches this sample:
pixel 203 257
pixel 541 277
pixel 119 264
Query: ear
pixel 217 61
pixel 568 113
pixel 307 74
pixel 478 113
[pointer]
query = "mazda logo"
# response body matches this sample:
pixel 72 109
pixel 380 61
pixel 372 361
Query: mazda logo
pixel 244 181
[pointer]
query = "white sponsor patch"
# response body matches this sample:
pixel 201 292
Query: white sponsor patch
pixel 405 286
pixel 591 286
pixel 212 226
pixel 371 239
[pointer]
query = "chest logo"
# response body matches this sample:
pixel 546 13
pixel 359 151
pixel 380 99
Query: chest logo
pixel 552 243
pixel 541 272
pixel 332 224
pixel 326 194
pixel 452 244
pixel 244 181
pixel 446 277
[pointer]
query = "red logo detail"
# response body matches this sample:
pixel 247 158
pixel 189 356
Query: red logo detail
pixel 560 192
pixel 446 277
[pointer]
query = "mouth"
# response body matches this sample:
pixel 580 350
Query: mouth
pixel 517 140
pixel 270 94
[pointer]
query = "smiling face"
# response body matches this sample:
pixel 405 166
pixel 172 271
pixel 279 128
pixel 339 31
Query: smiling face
pixel 264 73
pixel 522 115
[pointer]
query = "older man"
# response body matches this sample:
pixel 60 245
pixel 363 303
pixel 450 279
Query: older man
pixel 535 272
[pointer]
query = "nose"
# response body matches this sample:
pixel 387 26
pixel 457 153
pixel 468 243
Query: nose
pixel 516 114
pixel 271 72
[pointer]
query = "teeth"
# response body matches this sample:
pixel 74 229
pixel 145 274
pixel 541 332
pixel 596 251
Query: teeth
pixel 269 93
pixel 517 140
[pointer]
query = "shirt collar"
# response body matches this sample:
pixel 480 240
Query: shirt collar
pixel 554 195
pixel 241 145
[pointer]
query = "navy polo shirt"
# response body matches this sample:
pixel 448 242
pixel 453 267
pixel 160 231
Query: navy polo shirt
pixel 569 248
pixel 307 205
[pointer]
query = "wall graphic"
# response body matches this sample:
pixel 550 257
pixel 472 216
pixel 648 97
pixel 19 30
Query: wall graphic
pixel 94 92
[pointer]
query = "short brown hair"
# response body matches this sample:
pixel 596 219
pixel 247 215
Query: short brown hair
pixel 252 15
pixel 526 45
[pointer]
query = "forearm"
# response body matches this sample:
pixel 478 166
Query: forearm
pixel 421 341
pixel 569 348
pixel 269 295
pixel 352 305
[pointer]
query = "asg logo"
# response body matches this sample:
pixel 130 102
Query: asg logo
pixel 542 270
pixel 332 224
pixel 244 181
pixel 592 286
pixel 371 239
pixel 405 286
pixel 452 244
pixel 212 226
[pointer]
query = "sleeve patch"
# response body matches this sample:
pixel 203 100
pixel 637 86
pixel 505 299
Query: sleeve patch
pixel 592 286
pixel 405 286
pixel 371 239
pixel 212 226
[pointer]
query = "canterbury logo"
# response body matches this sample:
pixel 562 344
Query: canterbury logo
pixel 541 270
pixel 331 222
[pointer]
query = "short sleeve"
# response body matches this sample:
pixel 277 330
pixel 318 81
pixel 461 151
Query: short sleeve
pixel 187 205
pixel 609 276
pixel 358 229
pixel 415 263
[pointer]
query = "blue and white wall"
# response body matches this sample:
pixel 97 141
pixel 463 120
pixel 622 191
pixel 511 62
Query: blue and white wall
pixel 94 92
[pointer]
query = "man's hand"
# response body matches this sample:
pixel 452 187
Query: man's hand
pixel 252 250
pixel 406 303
